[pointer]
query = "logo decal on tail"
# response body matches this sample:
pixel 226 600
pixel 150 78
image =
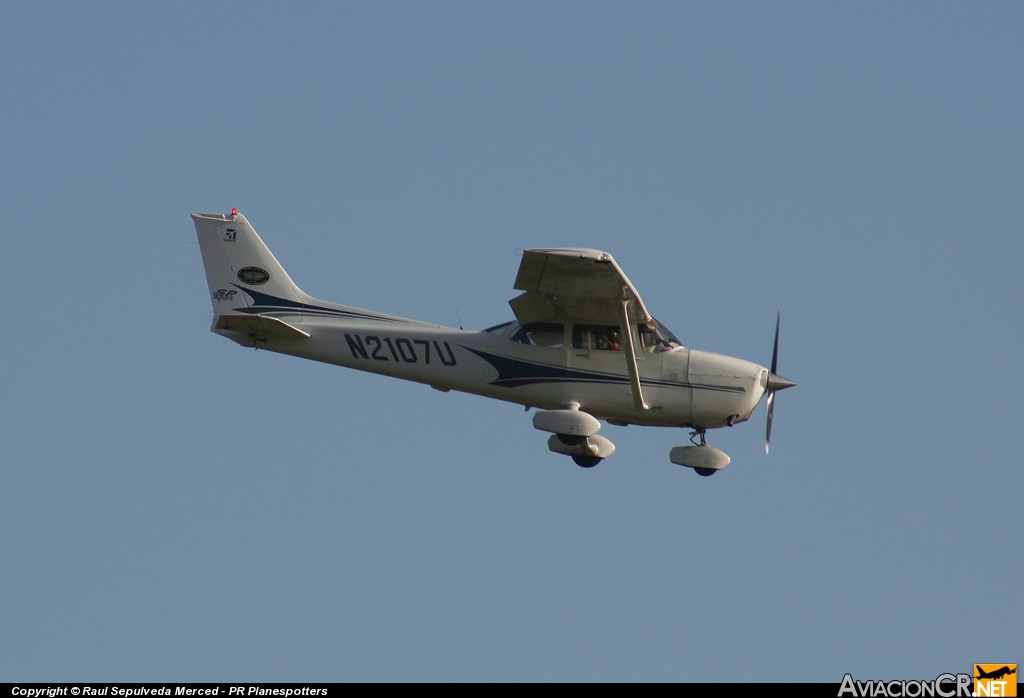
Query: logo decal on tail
pixel 223 294
pixel 254 276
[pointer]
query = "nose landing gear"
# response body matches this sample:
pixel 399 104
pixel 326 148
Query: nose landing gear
pixel 705 460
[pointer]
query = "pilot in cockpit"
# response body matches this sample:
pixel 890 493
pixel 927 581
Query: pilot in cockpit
pixel 614 343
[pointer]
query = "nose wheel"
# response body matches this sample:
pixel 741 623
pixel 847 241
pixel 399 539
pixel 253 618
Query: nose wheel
pixel 703 459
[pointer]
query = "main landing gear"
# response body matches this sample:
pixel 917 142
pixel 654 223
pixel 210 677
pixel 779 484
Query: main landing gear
pixel 574 434
pixel 585 451
pixel 579 449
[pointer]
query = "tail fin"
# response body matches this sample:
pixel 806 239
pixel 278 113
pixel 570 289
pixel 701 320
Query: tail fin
pixel 245 280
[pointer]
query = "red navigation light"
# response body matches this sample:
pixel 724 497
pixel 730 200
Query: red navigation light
pixel 234 212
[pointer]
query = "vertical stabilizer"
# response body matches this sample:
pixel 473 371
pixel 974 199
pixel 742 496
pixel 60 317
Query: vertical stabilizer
pixel 240 269
pixel 249 288
pixel 254 300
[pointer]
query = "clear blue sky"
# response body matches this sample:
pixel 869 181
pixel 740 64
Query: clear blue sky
pixel 173 507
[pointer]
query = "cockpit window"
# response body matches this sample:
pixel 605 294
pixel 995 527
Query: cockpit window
pixel 540 334
pixel 656 338
pixel 600 337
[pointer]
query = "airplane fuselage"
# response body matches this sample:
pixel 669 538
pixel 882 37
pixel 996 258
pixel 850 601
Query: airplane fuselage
pixel 682 387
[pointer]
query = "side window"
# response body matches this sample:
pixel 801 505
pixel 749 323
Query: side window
pixel 540 334
pixel 600 337
pixel 648 338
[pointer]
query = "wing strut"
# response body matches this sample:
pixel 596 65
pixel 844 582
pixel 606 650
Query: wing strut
pixel 634 373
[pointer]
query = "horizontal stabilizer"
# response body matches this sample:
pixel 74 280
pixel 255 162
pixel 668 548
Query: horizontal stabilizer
pixel 260 327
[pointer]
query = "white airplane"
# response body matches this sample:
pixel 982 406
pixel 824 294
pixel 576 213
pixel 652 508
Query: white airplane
pixel 583 346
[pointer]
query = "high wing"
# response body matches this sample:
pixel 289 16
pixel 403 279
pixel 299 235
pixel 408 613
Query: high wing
pixel 575 284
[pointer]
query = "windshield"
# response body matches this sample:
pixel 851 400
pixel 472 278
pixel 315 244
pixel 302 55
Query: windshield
pixel 657 338
pixel 501 329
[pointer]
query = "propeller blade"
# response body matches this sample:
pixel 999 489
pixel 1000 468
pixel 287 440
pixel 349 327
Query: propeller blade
pixel 775 350
pixel 775 383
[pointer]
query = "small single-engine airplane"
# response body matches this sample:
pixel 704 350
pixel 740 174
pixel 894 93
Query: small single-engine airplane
pixel 583 346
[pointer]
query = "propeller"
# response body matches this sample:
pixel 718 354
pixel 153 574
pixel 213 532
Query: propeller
pixel 774 384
